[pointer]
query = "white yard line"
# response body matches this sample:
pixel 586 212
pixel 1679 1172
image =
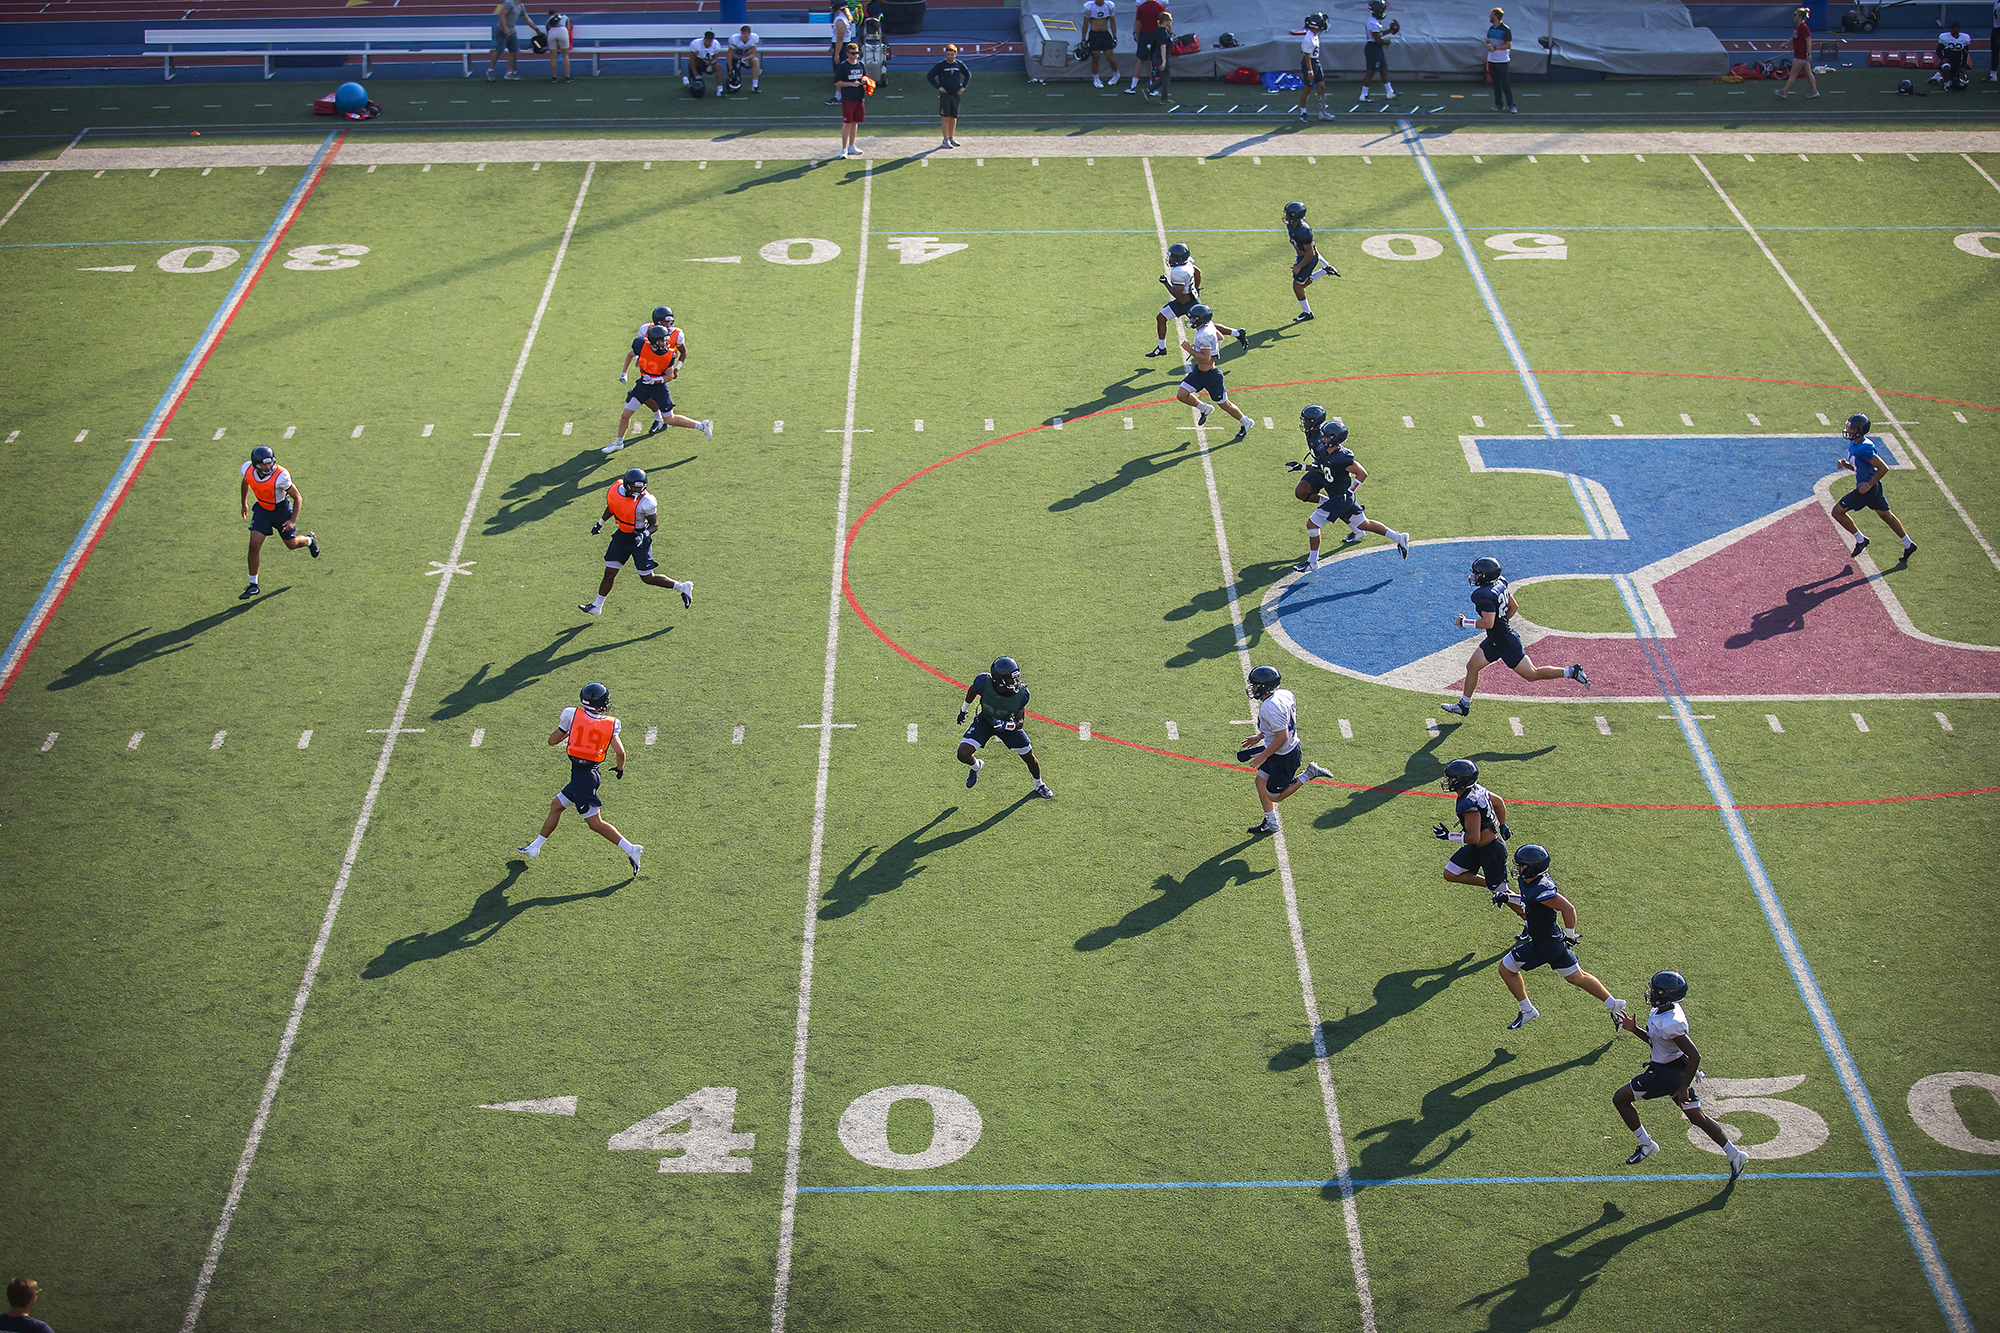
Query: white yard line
pixel 788 1210
pixel 1322 1062
pixel 374 790
pixel 45 175
pixel 1881 407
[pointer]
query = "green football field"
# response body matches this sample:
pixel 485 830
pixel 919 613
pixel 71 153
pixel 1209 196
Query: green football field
pixel 293 1036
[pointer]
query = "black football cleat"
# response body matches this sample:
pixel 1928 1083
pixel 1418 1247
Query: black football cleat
pixel 1302 316
pixel 312 546
pixel 1157 351
pixel 247 593
pixel 1859 546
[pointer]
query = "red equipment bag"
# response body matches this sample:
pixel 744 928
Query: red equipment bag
pixel 1243 74
pixel 1184 45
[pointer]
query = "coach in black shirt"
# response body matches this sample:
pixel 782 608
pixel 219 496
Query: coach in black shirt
pixel 950 78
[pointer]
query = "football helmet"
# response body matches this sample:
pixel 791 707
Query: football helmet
pixel 1178 253
pixel 1460 775
pixel 1334 433
pixel 1857 427
pixel 1378 7
pixel 596 698
pixel 1531 860
pixel 662 315
pixel 1263 681
pixel 1295 211
pixel 657 337
pixel 1199 317
pixel 634 481
pixel 1484 570
pixel 1006 674
pixel 1317 22
pixel 263 461
pixel 1312 417
pixel 1666 988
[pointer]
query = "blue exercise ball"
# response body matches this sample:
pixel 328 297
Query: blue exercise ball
pixel 350 97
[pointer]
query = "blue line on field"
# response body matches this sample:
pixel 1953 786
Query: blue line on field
pixel 1648 1179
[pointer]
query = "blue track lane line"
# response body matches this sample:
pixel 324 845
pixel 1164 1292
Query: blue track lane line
pixel 1750 1177
pixel 1872 1128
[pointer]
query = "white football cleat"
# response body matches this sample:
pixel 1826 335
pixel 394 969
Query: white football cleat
pixel 614 446
pixel 633 856
pixel 708 429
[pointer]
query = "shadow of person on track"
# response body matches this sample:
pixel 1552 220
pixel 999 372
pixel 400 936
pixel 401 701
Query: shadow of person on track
pixel 489 912
pixel 112 659
pixel 899 864
pixel 485 689
pixel 1206 880
pixel 1397 994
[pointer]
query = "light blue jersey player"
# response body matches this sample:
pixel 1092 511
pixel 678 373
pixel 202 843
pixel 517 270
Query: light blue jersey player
pixel 1864 460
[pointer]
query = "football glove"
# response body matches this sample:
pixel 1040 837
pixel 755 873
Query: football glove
pixel 1506 834
pixel 1501 897
pixel 621 377
pixel 1295 466
pixel 1243 338
pixel 1165 283
pixel 597 527
pixel 618 773
pixel 1570 934
pixel 1440 832
pixel 961 714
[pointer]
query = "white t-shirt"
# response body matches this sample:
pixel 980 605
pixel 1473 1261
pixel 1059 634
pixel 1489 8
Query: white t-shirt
pixel 1376 28
pixel 1662 1026
pixel 1181 275
pixel 1279 713
pixel 703 47
pixel 569 715
pixel 741 44
pixel 1309 45
pixel 1955 41
pixel 1206 339
pixel 648 508
pixel 283 478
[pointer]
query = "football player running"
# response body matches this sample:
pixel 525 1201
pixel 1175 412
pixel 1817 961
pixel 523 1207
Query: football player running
pixel 1312 78
pixel 590 731
pixel 1204 345
pixel 661 350
pixel 1864 460
pixel 1670 1072
pixel 1482 829
pixel 1538 904
pixel 1334 470
pixel 1183 283
pixel 1495 606
pixel 1003 710
pixel 1307 266
pixel 1274 749
pixel 279 504
pixel 637 514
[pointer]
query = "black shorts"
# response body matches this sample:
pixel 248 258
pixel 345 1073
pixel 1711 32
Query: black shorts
pixel 580 794
pixel 1306 269
pixel 636 547
pixel 1872 498
pixel 1489 861
pixel 269 521
pixel 1099 41
pixel 1311 73
pixel 1281 771
pixel 1531 954
pixel 1338 508
pixel 1149 45
pixel 1210 381
pixel 648 394
pixel 1664 1080
pixel 948 104
pixel 1503 648
pixel 1013 735
pixel 1373 58
pixel 1178 307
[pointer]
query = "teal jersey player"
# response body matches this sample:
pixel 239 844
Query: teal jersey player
pixel 1003 711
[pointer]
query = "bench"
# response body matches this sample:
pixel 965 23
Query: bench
pixel 369 41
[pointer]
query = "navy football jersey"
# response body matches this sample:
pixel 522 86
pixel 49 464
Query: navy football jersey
pixel 1536 896
pixel 1492 597
pixel 1477 798
pixel 1301 234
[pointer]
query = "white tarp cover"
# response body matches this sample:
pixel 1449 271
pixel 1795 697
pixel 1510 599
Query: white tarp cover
pixel 1442 38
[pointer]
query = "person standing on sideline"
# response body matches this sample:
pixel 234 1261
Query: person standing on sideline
pixel 1003 710
pixel 1482 828
pixel 1307 266
pixel 1146 24
pixel 279 505
pixel 951 78
pixel 1375 47
pixel 1274 749
pixel 1993 47
pixel 508 16
pixel 1336 471
pixel 1863 459
pixel 1312 78
pixel 1495 605
pixel 743 53
pixel 1801 55
pixel 1100 38
pixel 1538 904
pixel 843 28
pixel 1670 1072
pixel 559 44
pixel 1500 61
pixel 590 731
pixel 850 84
pixel 659 361
pixel 1205 375
pixel 637 514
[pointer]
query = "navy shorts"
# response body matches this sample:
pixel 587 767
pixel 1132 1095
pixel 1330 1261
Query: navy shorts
pixel 1100 41
pixel 648 394
pixel 1310 72
pixel 1281 771
pixel 1664 1080
pixel 1149 46
pixel 1341 508
pixel 1014 736
pixel 1872 498
pixel 1305 269
pixel 581 793
pixel 1489 861
pixel 1531 954
pixel 506 39
pixel 948 104
pixel 1198 381
pixel 269 521
pixel 636 547
pixel 1178 307
pixel 1373 58
pixel 1504 648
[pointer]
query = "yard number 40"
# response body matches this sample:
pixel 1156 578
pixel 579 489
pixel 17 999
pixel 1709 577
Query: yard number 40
pixel 710 1140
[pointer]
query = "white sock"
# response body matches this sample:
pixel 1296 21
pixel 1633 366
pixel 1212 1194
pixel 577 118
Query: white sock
pixel 253 580
pixel 1388 90
pixel 1163 344
pixel 684 586
pixel 597 603
pixel 1645 1139
pixel 1527 1006
pixel 1312 561
pixel 1305 308
pixel 626 846
pixel 1465 698
pixel 1907 543
pixel 535 847
pixel 1400 538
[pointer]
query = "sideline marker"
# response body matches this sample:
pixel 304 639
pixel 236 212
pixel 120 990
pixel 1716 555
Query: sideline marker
pixel 433 426
pixel 1479 422
pixel 736 738
pixel 920 425
pixel 989 423
pixel 1128 424
pixel 1943 721
pixel 216 744
pixel 478 737
pixel 356 435
pixel 1686 420
pixel 1346 730
pixel 1173 731
pixel 1515 723
pixel 1603 727
pixel 1960 416
pixel 13 435
pixel 79 436
pixel 567 427
pixel 1617 421
pixel 305 738
pixel 1776 725
pixel 1753 418
pixel 1822 419
pixel 219 430
pixel 137 736
pixel 1860 722
pixel 777 428
pixel 1268 425
pixel 911 734
pixel 1431 725
pixel 291 431
pixel 1083 731
pixel 652 735
pixel 50 743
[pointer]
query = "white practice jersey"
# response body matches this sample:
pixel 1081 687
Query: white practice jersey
pixel 1377 28
pixel 742 45
pixel 1206 339
pixel 1099 9
pixel 1961 42
pixel 706 49
pixel 1182 276
pixel 569 717
pixel 1279 713
pixel 1309 45
pixel 1662 1026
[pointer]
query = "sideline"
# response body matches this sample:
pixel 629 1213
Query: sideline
pixel 451 567
pixel 64 576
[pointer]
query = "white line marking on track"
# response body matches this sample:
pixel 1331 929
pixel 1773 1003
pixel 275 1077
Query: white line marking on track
pixel 795 1127
pixel 1942 720
pixel 305 990
pixel 1364 1294
pixel 1882 409
pixel 1686 420
pixel 1480 422
pixel 1960 417
pixel 219 430
pixel 216 744
pixel 837 726
pixel 1911 156
pixel 652 735
pixel 1431 726
pixel 1753 418
pixel 478 737
pixel 911 734
pixel 1822 419
pixel 31 189
pixel 50 743
pixel 1409 424
pixel 568 426
pixel 1603 727
pixel 1083 731
pixel 13 435
pixel 291 431
pixel 137 736
pixel 1674 717
pixel 356 435
pixel 80 437
pixel 1515 723
pixel 920 423
pixel 777 428
pixel 1346 730
pixel 1173 731
pixel 305 738
pixel 989 422
pixel 1618 421
pixel 736 736
pixel 1860 722
pixel 1969 162
pixel 1776 725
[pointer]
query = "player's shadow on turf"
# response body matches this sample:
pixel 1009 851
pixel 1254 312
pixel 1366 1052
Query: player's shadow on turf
pixel 1397 994
pixel 1302 603
pixel 112 659
pixel 485 688
pixel 1548 1292
pixel 541 494
pixel 1221 640
pixel 1790 616
pixel 490 911
pixel 1206 880
pixel 1422 772
pixel 773 178
pixel 1130 472
pixel 1396 1149
pixel 899 864
pixel 1115 394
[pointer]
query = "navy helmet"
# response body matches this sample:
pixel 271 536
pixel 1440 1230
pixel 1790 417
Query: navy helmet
pixel 596 697
pixel 263 460
pixel 634 481
pixel 1178 253
pixel 1006 674
pixel 1264 680
pixel 1484 570
pixel 1666 988
pixel 1531 860
pixel 1460 775
pixel 1857 427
